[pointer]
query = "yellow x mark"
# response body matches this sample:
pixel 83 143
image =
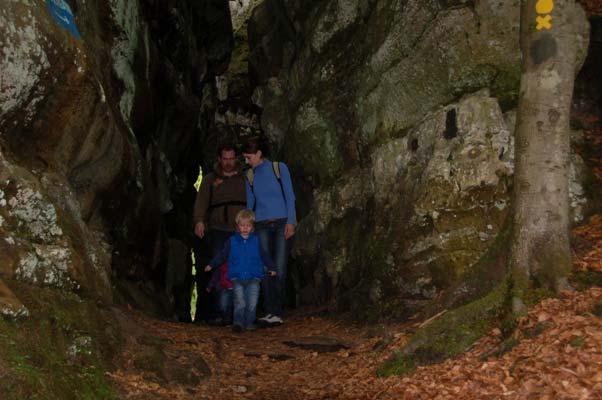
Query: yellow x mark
pixel 544 22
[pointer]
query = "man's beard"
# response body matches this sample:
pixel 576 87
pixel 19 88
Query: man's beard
pixel 228 168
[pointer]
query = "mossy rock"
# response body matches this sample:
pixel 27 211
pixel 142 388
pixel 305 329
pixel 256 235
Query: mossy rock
pixel 451 334
pixel 151 359
pixel 184 368
pixel 184 375
pixel 397 365
pixel 61 351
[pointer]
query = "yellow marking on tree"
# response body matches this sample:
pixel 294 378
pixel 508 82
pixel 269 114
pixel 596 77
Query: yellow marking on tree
pixel 543 22
pixel 544 6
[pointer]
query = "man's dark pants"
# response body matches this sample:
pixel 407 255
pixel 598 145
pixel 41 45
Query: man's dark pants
pixel 207 304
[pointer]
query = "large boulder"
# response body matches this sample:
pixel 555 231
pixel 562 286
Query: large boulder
pixel 395 117
pixel 100 137
pixel 364 72
pixel 420 215
pixel 98 102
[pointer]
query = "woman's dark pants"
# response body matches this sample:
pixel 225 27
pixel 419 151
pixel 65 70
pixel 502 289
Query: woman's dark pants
pixel 271 237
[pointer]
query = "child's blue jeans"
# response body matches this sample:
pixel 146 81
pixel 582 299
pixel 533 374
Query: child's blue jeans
pixel 246 293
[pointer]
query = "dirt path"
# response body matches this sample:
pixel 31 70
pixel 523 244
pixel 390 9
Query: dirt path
pixel 555 354
pixel 559 355
pixel 259 364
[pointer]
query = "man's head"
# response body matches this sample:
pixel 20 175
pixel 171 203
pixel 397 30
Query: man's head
pixel 226 157
pixel 244 222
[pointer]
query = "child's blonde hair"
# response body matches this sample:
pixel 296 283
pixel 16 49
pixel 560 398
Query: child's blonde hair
pixel 246 215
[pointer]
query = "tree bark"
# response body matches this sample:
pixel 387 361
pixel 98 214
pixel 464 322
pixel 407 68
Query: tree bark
pixel 551 32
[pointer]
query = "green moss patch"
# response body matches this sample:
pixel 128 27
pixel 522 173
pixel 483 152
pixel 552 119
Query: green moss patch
pixel 452 333
pixel 61 351
pixel 398 365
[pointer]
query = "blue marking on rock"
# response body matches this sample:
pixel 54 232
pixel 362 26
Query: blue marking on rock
pixel 63 16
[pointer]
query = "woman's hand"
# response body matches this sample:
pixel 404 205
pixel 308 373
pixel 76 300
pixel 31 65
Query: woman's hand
pixel 208 268
pixel 289 231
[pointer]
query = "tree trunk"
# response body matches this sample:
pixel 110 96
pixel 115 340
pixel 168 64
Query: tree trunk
pixel 550 35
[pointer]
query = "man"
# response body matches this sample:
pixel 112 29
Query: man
pixel 220 197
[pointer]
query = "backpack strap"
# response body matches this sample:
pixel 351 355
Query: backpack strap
pixel 276 169
pixel 250 176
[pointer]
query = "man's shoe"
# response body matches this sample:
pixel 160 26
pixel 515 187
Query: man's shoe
pixel 251 327
pixel 236 328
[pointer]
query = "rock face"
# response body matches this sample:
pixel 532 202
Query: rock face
pixel 396 119
pixel 99 136
pixel 394 115
pixel 100 144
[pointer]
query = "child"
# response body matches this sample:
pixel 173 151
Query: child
pixel 246 263
pixel 222 286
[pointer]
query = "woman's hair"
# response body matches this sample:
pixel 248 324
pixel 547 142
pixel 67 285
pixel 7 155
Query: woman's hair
pixel 253 145
pixel 246 215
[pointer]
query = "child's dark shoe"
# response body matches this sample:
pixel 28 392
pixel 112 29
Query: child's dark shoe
pixel 236 328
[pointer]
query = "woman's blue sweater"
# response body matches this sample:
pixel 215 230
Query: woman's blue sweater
pixel 266 198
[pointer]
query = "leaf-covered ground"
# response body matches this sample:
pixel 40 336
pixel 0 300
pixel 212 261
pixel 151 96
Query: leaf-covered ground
pixel 556 353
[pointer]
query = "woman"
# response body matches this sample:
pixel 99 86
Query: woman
pixel 270 195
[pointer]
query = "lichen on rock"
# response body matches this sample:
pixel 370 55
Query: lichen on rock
pixel 35 215
pixel 23 61
pixel 47 265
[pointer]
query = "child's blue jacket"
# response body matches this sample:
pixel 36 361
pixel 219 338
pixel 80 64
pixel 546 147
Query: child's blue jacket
pixel 245 258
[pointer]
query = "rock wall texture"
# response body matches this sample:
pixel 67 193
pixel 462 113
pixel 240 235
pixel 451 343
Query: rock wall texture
pixel 100 137
pixel 396 117
pixel 100 143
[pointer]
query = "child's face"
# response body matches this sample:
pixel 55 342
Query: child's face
pixel 245 227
